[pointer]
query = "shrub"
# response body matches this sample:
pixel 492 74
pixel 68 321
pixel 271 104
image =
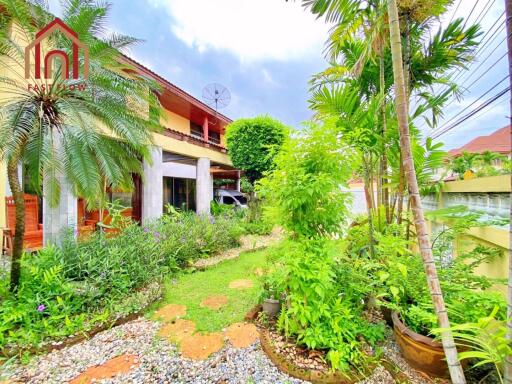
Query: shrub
pixel 70 288
pixel 304 190
pixel 320 311
pixel 46 304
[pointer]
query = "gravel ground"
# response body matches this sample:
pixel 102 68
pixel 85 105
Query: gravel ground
pixel 161 363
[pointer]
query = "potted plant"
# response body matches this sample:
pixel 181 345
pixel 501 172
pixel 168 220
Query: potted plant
pixel 271 304
pixel 421 352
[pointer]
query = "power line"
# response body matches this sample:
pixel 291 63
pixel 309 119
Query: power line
pixel 453 14
pixel 475 101
pixel 485 111
pixel 480 51
pixel 485 11
pixel 483 43
pixel 482 106
pixel 470 13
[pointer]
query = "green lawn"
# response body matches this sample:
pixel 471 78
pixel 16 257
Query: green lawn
pixel 191 288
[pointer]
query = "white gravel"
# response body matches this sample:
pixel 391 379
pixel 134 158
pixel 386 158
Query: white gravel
pixel 161 363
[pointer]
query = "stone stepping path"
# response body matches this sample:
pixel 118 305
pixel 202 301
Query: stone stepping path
pixel 113 367
pixel 177 331
pixel 241 284
pixel 247 243
pixel 214 302
pixel 170 312
pixel 242 335
pixel 200 346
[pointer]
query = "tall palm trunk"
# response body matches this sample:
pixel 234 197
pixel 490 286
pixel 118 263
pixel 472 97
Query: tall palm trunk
pixel 508 362
pixel 369 205
pixel 407 85
pixel 384 160
pixel 19 229
pixel 450 350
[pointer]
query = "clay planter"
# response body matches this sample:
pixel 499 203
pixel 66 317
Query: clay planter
pixel 271 307
pixel 421 352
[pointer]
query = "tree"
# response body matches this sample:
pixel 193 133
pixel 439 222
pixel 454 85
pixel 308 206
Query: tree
pixel 253 144
pixel 90 136
pixel 463 163
pixel 303 191
pixel 401 105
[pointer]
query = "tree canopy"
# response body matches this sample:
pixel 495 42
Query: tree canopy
pixel 253 143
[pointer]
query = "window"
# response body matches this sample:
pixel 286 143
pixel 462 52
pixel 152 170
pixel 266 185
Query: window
pixel 214 137
pixel 228 200
pixel 180 193
pixel 196 130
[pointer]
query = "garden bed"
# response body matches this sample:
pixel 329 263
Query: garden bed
pixel 145 296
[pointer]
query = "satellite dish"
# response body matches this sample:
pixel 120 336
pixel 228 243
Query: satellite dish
pixel 216 96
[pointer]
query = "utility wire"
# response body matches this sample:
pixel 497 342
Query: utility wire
pixel 478 115
pixel 483 43
pixel 454 12
pixel 482 106
pixel 484 13
pixel 481 96
pixel 470 13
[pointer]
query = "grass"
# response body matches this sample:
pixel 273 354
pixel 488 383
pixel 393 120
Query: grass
pixel 190 289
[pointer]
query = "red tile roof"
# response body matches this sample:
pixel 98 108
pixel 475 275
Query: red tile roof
pixel 498 141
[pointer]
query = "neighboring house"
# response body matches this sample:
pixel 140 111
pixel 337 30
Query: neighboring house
pixel 489 195
pixel 498 141
pixel 188 154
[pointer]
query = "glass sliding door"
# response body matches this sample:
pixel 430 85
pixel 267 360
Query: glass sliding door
pixel 180 193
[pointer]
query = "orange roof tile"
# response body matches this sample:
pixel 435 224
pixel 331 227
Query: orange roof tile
pixel 498 141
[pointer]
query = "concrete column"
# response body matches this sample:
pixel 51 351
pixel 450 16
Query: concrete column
pixel 238 182
pixel 61 217
pixel 204 186
pixel 153 187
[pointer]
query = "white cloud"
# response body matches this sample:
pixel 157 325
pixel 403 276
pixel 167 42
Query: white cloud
pixel 252 30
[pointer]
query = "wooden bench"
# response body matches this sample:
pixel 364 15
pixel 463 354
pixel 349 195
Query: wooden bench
pixel 33 239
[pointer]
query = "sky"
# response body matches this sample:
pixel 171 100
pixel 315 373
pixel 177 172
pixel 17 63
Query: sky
pixel 265 52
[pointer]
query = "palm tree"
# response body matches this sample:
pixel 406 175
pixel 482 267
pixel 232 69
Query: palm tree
pixel 488 157
pixel 450 350
pixel 90 137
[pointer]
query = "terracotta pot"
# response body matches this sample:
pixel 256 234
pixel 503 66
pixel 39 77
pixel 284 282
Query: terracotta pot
pixel 421 352
pixel 271 307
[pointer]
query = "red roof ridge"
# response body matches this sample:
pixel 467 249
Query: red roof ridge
pixel 497 141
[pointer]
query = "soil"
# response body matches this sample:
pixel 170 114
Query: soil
pixel 214 302
pixel 241 284
pixel 242 335
pixel 113 367
pixel 177 331
pixel 259 272
pixel 301 357
pixel 170 312
pixel 200 346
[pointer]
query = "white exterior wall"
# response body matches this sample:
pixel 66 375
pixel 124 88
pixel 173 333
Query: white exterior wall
pixel 183 171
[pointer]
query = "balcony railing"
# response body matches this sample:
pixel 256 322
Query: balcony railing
pixel 197 140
